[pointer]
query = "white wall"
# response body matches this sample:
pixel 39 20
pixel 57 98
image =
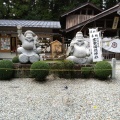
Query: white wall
pixel 7 55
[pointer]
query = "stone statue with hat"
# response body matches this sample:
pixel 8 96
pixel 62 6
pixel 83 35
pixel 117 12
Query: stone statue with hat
pixel 29 51
pixel 79 51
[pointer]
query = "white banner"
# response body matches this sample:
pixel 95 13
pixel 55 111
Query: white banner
pixel 112 45
pixel 96 45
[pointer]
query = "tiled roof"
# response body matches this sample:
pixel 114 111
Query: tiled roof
pixel 31 23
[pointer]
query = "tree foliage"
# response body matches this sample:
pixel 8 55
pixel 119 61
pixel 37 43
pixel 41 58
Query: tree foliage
pixel 43 9
pixel 111 3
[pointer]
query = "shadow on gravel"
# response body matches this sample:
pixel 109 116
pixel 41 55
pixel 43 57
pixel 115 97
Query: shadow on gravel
pixel 7 80
pixel 40 81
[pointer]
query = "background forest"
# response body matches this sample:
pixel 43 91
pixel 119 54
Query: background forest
pixel 44 9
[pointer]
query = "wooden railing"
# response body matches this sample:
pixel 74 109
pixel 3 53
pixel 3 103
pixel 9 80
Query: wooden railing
pixel 109 56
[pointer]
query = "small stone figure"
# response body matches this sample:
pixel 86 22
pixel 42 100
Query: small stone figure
pixel 79 51
pixel 29 51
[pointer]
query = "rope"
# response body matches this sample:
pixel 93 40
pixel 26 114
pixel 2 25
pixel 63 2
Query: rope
pixel 86 23
pixel 51 69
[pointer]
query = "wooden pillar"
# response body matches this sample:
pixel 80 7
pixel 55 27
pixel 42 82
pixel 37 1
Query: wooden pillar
pixel 85 33
pixel 80 12
pixel 105 23
pixel 16 45
pixel 94 23
pixel 63 44
pixel 92 12
pixel 117 32
pixel 86 11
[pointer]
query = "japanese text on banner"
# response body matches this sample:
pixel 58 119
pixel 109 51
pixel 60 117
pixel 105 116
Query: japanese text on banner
pixel 95 42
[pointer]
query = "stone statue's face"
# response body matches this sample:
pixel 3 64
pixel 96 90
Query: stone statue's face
pixel 79 39
pixel 29 37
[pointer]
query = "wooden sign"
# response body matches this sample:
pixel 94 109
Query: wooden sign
pixel 56 48
pixel 115 22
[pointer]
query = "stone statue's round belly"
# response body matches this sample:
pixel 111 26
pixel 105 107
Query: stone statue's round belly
pixel 79 52
pixel 28 45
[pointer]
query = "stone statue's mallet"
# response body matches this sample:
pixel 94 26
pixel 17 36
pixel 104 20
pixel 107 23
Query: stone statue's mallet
pixel 19 29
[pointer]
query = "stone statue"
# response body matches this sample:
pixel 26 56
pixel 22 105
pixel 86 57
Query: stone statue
pixel 30 50
pixel 78 51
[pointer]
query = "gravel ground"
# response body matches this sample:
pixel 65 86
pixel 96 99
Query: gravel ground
pixel 60 99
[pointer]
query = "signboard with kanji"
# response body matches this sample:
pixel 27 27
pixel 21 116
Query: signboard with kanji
pixel 115 22
pixel 96 45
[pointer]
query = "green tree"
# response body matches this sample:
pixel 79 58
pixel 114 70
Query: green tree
pixel 15 9
pixel 59 7
pixel 22 8
pixel 5 9
pixel 98 3
pixel 110 3
pixel 1 9
pixel 39 9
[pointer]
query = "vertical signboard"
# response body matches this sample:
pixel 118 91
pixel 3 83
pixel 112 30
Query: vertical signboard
pixel 95 43
pixel 115 22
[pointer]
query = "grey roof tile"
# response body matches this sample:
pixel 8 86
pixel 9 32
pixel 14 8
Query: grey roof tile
pixel 31 23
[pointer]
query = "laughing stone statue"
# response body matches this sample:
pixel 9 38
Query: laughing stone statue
pixel 29 51
pixel 79 51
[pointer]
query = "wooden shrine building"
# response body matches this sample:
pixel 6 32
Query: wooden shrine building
pixel 45 30
pixel 89 16
pixel 70 20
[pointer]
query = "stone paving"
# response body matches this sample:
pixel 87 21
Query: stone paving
pixel 60 99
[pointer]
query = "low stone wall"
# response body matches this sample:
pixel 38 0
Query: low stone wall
pixel 78 69
pixel 23 70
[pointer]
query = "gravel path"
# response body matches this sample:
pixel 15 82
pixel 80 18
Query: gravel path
pixel 84 99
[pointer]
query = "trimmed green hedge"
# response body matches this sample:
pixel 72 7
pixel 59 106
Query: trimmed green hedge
pixel 6 69
pixel 103 69
pixel 87 72
pixel 64 69
pixel 15 59
pixel 39 70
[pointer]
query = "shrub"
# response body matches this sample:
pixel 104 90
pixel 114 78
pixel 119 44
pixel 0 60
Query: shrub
pixel 6 69
pixel 56 68
pixel 39 70
pixel 65 69
pixel 102 69
pixel 15 59
pixel 60 69
pixel 86 71
pixel 69 67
